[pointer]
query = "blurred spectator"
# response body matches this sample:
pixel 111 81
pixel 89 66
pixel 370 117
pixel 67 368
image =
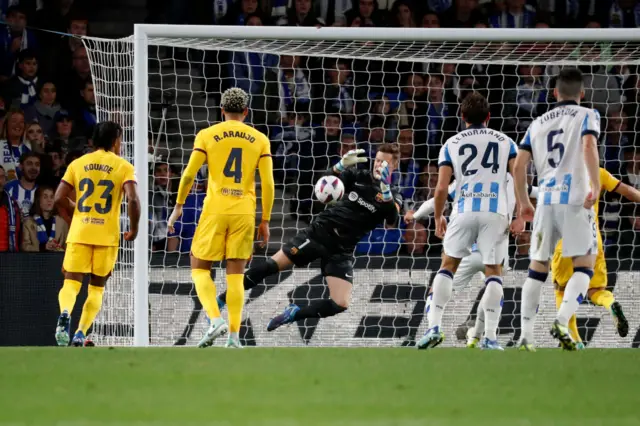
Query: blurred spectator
pixel 623 14
pixel 159 206
pixel 517 14
pixel 464 14
pixel 21 90
pixel 60 55
pixel 86 114
pixel 300 15
pixel 326 142
pixel 44 109
pixel 406 175
pixel 332 12
pixel 439 6
pixel 293 85
pixel 55 16
pixel 336 92
pixel 71 82
pixel 44 230
pixel 438 126
pixel 185 227
pixel 65 132
pixel 523 243
pixel 23 190
pixel 602 86
pixel 402 14
pixel 11 143
pixel 528 101
pixel 241 11
pixel 56 159
pixel 413 109
pixel 428 179
pixel 34 137
pixel 563 13
pixel 615 142
pixel 15 39
pixel 430 20
pixel 10 218
pixel 365 13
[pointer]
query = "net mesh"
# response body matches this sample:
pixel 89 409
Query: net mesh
pixel 318 99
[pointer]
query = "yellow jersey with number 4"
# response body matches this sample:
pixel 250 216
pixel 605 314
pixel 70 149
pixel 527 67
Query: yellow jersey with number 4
pixel 98 179
pixel 233 151
pixel 562 267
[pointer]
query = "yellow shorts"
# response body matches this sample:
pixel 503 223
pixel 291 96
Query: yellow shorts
pixel 90 259
pixel 599 279
pixel 224 236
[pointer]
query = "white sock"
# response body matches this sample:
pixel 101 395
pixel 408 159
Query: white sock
pixel 442 288
pixel 478 329
pixel 427 308
pixel 574 292
pixel 234 336
pixel 530 301
pixel 492 303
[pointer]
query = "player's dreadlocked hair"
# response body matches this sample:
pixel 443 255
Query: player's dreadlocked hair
pixel 475 109
pixel 234 100
pixel 105 135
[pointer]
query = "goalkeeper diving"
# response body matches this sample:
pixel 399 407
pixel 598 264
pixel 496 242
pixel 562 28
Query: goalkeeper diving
pixel 332 236
pixel 233 151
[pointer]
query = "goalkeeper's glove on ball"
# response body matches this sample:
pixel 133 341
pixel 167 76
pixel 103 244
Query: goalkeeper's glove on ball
pixel 350 159
pixel 385 181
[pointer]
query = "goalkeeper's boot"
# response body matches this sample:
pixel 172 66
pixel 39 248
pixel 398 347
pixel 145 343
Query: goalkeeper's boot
pixel 432 338
pixel 80 340
pixel 218 328
pixel 490 345
pixel 561 332
pixel 473 340
pixel 233 342
pixel 580 346
pixel 619 320
pixel 62 329
pixel 525 346
pixel 286 317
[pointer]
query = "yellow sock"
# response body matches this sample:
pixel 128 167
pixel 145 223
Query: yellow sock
pixel 603 298
pixel 235 300
pixel 573 323
pixel 206 290
pixel 68 294
pixel 91 308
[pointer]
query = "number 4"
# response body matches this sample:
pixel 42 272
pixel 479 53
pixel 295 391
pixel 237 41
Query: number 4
pixel 233 168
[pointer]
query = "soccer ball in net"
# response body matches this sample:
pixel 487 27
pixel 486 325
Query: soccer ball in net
pixel 329 189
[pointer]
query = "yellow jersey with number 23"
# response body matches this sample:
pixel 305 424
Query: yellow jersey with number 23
pixel 98 179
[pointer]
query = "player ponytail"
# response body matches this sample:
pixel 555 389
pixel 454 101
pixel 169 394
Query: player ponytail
pixel 106 134
pixel 234 101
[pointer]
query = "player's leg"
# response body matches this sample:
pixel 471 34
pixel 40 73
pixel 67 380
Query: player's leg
pixel 582 247
pixel 573 322
pixel 468 268
pixel 103 262
pixel 77 263
pixel 599 295
pixel 299 251
pixel 239 250
pixel 338 271
pixel 545 236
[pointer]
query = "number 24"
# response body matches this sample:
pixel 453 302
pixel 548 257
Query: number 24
pixel 489 159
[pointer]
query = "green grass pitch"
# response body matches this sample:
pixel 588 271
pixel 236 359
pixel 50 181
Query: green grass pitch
pixel 318 386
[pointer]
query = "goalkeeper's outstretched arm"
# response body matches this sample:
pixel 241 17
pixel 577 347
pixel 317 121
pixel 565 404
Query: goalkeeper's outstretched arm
pixel 350 159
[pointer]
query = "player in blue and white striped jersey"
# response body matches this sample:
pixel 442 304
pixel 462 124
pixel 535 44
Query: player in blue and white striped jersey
pixel 563 146
pixel 479 158
pixel 472 264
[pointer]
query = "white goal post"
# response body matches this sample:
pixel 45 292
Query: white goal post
pixel 120 70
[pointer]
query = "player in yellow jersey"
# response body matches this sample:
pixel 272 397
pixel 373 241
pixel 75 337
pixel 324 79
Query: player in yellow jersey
pixel 233 151
pixel 562 268
pixel 99 179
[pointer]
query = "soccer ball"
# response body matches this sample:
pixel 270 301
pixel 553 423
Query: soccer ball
pixel 329 189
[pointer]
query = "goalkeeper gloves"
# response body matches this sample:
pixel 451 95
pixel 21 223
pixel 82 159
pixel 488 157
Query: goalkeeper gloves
pixel 385 181
pixel 350 159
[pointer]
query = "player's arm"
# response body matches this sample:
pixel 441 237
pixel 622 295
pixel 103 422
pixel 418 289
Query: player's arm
pixel 196 160
pixel 628 192
pixel 590 134
pixel 350 159
pixel 519 173
pixel 445 171
pixel 64 192
pixel 133 208
pixel 428 207
pixel 265 168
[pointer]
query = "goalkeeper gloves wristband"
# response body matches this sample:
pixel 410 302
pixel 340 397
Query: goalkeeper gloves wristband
pixel 385 181
pixel 350 159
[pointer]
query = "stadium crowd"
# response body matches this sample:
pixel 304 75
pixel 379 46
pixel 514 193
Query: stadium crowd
pixel 313 109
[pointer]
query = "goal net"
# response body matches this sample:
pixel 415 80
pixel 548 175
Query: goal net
pixel 318 93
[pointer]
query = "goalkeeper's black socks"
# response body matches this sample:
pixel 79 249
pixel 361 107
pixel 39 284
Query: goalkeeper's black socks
pixel 319 309
pixel 255 275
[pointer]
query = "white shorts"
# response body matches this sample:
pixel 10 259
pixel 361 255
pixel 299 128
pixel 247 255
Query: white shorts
pixel 575 225
pixel 472 265
pixel 488 230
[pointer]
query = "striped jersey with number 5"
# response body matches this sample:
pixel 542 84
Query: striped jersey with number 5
pixel 479 157
pixel 98 179
pixel 233 151
pixel 555 142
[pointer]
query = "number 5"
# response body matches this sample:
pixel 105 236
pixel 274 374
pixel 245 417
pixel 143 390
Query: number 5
pixel 553 146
